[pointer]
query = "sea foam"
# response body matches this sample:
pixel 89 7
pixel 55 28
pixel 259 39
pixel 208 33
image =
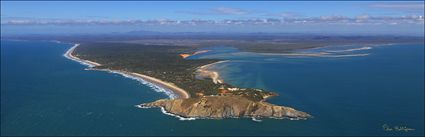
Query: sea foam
pixel 156 88
pixel 256 120
pixel 168 113
pixel 68 56
pixel 174 115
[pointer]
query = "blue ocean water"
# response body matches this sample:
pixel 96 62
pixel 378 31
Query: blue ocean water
pixel 43 93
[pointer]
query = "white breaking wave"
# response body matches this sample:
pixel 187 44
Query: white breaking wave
pixel 256 120
pixel 156 88
pixel 140 106
pixel 350 50
pixel 177 116
pixel 83 62
pixel 195 118
pixel 168 113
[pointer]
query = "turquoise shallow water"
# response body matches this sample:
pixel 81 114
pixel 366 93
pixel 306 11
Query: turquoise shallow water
pixel 43 93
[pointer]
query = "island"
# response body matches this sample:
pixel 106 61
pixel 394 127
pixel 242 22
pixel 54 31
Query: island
pixel 201 93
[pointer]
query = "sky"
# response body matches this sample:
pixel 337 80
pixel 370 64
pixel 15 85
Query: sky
pixel 328 17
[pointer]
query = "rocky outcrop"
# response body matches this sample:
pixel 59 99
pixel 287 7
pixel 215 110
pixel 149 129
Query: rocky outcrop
pixel 218 107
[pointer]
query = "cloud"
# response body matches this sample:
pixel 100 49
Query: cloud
pixel 344 20
pixel 98 17
pixel 218 11
pixel 241 12
pixel 289 14
pixel 404 6
pixel 192 12
pixel 229 11
pixel 284 15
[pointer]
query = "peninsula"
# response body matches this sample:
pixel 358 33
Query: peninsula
pixel 201 93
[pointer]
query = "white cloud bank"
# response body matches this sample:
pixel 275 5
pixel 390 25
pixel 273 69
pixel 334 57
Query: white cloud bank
pixel 340 20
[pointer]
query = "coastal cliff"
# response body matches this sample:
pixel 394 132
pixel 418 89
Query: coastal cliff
pixel 218 107
pixel 208 97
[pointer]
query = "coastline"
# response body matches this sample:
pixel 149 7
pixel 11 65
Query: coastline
pixel 334 53
pixel 153 82
pixel 203 71
pixel 320 54
pixel 163 86
pixel 68 54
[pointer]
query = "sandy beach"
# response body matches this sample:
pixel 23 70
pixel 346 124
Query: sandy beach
pixel 320 54
pixel 203 71
pixel 69 55
pixel 175 89
pixel 181 92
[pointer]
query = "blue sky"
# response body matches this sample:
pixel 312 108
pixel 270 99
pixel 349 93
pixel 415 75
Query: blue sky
pixel 110 16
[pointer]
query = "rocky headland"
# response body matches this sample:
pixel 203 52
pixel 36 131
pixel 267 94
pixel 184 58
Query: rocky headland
pixel 218 107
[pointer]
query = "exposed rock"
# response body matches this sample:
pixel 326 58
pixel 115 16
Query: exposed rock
pixel 218 107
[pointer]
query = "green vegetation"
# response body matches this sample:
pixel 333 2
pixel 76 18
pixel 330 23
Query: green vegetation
pixel 161 62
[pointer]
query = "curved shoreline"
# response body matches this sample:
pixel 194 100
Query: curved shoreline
pixel 181 93
pixel 203 71
pixel 68 54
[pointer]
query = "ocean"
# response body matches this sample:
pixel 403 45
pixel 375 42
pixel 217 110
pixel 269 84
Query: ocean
pixel 44 93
